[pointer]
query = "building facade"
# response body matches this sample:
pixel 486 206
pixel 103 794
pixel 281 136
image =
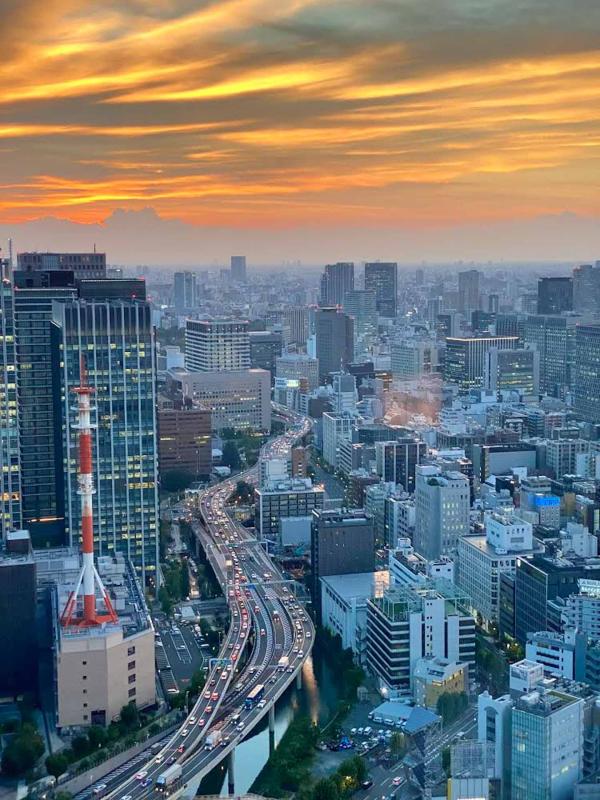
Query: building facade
pixel 216 345
pixel 442 505
pixel 381 277
pixel 336 281
pixel 184 441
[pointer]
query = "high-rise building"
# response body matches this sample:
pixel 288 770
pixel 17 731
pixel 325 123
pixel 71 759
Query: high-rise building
pixel 468 290
pixel 466 356
pixel 586 386
pixel 555 295
pixel 291 497
pixel 238 268
pixel 42 469
pixel 381 277
pixel 342 543
pixel 265 348
pixel 114 342
pixel 10 465
pixel 554 339
pixel 184 441
pixel 361 305
pixel 494 718
pixel 547 745
pixel 296 325
pixel 334 341
pixel 83 265
pixel 511 370
pixel 413 358
pixel 336 428
pixel 442 511
pixel 185 291
pixel 336 281
pixel 409 623
pixel 586 287
pixel 298 367
pixel 397 461
pixel 216 345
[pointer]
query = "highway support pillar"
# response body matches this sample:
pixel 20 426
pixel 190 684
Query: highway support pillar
pixel 231 772
pixel 271 729
pixel 299 680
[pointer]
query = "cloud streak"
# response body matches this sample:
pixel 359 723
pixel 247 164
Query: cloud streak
pixel 249 112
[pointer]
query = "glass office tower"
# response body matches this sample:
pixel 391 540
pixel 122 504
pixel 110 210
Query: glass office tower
pixel 10 470
pixel 116 340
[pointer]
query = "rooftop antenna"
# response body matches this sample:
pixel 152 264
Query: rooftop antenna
pixel 87 616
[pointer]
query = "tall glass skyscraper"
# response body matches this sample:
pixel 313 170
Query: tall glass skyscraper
pixel 116 340
pixel 10 469
pixel 38 393
pixel 381 277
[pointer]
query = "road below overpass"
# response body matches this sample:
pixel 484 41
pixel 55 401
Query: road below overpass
pixel 264 612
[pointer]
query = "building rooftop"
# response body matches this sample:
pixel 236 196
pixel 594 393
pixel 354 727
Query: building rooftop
pixel 358 584
pixel 543 703
pixel 59 568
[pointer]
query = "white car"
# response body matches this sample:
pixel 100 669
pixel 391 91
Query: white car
pixel 184 732
pixel 141 775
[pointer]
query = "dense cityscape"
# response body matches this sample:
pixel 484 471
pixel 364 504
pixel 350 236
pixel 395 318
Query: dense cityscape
pixel 303 533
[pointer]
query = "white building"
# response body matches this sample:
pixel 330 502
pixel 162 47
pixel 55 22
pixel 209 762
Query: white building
pixel 300 368
pixel 442 502
pixel 335 428
pixel 410 623
pixel 561 455
pixel 582 610
pixel 482 559
pixel 577 539
pixel 345 395
pixel 494 717
pixel 524 676
pixel 216 345
pixel 344 606
pixel 407 568
pixel 560 654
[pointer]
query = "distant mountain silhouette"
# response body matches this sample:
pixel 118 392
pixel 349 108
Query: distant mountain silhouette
pixel 143 237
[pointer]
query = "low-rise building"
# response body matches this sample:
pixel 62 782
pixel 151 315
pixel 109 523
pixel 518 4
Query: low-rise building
pixel 435 676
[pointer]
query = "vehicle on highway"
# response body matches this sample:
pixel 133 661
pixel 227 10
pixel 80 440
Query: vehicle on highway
pixel 99 790
pixel 141 775
pixel 398 780
pixel 170 780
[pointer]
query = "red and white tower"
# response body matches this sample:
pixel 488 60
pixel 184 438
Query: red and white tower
pixel 75 613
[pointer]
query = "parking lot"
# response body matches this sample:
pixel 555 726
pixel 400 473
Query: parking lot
pixel 180 648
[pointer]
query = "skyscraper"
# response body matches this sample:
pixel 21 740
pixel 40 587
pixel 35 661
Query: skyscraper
pixel 586 386
pixel 336 281
pixel 442 511
pixel 554 339
pixel 116 340
pixel 10 467
pixel 397 461
pixel 238 268
pixel 586 287
pixel 334 340
pixel 83 265
pixel 185 291
pixel 381 277
pixel 555 295
pixel 361 305
pixel 38 393
pixel 468 290
pixel 216 345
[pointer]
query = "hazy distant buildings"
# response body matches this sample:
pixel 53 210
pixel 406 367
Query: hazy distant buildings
pixel 185 291
pixel 555 295
pixel 586 287
pixel 216 345
pixel 334 341
pixel 586 386
pixel 238 268
pixel 381 277
pixel 554 339
pixel 468 291
pixel 336 281
pixel 83 265
pixel 361 305
pixel 296 325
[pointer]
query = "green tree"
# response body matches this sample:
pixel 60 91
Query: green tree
pixel 176 480
pixel 398 744
pixel 22 752
pixel 446 760
pixel 166 603
pixel 130 718
pixel 451 705
pixel 326 789
pixel 97 737
pixel 63 796
pixel 57 764
pixel 185 587
pixel 244 492
pixel 231 456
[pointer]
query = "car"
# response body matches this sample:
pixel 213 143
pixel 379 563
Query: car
pixel 263 632
pixel 141 775
pixel 159 759
pixel 240 726
pixel 146 782
pixel 242 635
pixel 207 694
pixel 224 675
pixel 290 669
pixel 184 732
pixel 209 709
pixel 353 732
pixel 99 790
pixel 127 797
pixel 360 731
pixel 213 681
pixel 261 703
pixel 214 696
pixel 366 784
pixel 398 781
pixel 171 760
pixel 192 720
pixel 202 722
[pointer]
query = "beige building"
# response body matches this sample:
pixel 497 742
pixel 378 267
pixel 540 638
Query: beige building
pixel 100 671
pixel 434 677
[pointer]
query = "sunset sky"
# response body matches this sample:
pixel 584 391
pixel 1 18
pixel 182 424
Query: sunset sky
pixel 278 113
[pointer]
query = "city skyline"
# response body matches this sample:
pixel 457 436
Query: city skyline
pixel 450 130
